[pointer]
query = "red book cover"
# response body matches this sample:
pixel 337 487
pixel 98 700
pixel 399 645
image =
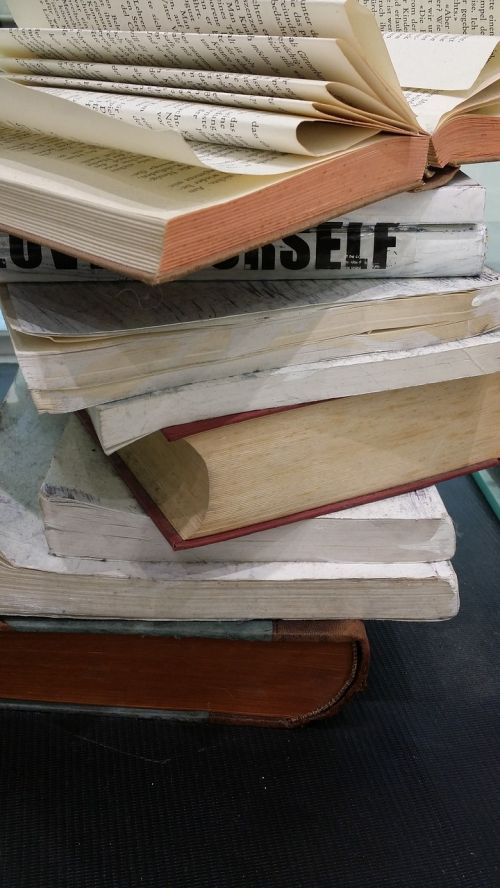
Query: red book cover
pixel 301 671
pixel 173 433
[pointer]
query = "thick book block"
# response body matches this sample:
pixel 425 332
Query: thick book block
pixel 90 343
pixel 34 582
pixel 89 512
pixel 286 675
pixel 207 481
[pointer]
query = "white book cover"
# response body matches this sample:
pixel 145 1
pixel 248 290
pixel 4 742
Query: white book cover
pixel 331 250
pixel 294 384
pixel 35 583
pixel 89 512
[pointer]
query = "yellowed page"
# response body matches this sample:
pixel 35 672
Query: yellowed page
pixel 284 133
pixel 157 190
pixel 439 62
pixel 430 107
pixel 330 109
pixel 318 59
pixel 480 17
pixel 309 18
pixel 219 81
pixel 178 131
pixel 345 19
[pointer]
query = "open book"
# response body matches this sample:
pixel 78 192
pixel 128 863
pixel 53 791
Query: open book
pixel 222 128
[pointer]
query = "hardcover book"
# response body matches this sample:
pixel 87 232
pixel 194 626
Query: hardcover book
pixel 89 512
pixel 268 673
pixel 225 130
pixel 35 583
pixel 205 481
pixel 89 343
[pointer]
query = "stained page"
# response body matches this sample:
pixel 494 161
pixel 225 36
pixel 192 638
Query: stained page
pixel 439 62
pixel 172 130
pixel 480 17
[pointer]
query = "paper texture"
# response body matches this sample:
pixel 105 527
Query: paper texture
pixel 126 308
pixel 452 16
pixel 167 130
pixel 439 61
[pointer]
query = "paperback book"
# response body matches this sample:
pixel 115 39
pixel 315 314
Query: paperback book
pixel 89 344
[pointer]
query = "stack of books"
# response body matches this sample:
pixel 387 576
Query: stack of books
pixel 208 485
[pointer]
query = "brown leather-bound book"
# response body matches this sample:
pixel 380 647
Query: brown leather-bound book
pixel 280 673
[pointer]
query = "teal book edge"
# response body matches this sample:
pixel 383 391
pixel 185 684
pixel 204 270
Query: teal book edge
pixel 488 481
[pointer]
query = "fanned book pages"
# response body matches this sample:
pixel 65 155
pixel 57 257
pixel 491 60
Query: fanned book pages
pixel 364 242
pixel 92 343
pixel 204 482
pixel 89 512
pixel 268 673
pixel 35 583
pixel 224 128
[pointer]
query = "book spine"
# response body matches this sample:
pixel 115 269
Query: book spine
pixel 340 249
pixel 284 683
pixel 334 249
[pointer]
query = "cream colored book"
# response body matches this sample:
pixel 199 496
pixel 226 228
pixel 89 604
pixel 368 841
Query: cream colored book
pixel 35 583
pixel 246 123
pixel 233 475
pixel 89 512
pixel 91 343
